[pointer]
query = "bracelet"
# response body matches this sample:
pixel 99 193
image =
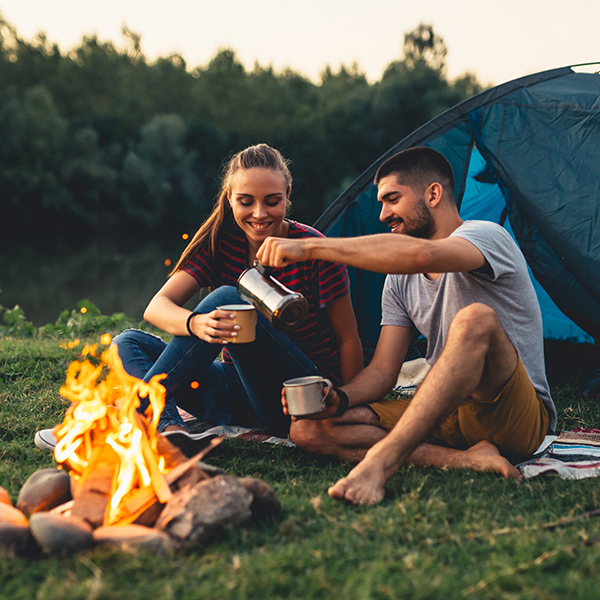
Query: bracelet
pixel 343 407
pixel 187 323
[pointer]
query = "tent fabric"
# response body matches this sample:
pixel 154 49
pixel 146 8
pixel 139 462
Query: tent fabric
pixel 525 154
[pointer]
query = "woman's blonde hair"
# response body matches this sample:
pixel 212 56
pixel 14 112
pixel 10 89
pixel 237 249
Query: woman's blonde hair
pixel 260 156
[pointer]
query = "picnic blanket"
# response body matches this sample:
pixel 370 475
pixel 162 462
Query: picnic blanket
pixel 572 455
pixel 232 431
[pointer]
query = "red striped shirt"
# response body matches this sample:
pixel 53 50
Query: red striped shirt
pixel 320 282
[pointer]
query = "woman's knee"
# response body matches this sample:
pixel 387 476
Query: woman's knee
pixel 225 294
pixel 128 336
pixel 136 337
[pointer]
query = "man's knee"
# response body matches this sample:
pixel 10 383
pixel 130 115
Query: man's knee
pixel 475 321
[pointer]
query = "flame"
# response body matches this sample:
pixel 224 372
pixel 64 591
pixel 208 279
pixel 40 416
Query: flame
pixel 104 411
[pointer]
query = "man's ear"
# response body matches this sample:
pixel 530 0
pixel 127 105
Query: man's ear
pixel 435 191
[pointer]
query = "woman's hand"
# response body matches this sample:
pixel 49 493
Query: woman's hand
pixel 216 327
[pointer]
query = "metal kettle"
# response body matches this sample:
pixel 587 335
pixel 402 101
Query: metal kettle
pixel 285 309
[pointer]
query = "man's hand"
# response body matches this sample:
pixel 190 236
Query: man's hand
pixel 332 402
pixel 278 252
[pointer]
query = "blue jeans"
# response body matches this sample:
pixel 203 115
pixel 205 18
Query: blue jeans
pixel 254 381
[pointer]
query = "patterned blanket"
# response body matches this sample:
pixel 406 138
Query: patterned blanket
pixel 232 431
pixel 572 455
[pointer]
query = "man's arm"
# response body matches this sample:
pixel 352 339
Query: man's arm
pixel 381 374
pixel 382 253
pixel 375 380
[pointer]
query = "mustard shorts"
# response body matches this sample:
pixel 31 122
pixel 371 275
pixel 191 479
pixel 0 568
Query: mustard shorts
pixel 516 420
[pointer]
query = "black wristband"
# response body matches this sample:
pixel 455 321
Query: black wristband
pixel 343 407
pixel 187 323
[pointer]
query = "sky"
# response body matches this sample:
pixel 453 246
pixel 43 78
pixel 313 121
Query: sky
pixel 497 41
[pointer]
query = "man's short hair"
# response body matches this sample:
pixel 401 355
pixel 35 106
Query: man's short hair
pixel 419 167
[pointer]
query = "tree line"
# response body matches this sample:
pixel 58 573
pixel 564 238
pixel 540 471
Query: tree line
pixel 99 139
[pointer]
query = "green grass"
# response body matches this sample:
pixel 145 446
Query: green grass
pixel 437 534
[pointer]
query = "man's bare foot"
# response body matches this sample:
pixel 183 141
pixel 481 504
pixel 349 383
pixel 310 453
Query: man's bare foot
pixel 365 484
pixel 484 456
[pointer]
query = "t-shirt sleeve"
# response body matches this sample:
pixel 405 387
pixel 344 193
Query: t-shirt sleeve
pixel 393 311
pixel 200 267
pixel 496 245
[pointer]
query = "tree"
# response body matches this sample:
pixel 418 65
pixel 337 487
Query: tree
pixel 423 45
pixel 158 176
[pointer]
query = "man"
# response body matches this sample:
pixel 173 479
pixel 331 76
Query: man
pixel 465 287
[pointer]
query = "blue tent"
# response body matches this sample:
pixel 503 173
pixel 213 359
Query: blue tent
pixel 526 154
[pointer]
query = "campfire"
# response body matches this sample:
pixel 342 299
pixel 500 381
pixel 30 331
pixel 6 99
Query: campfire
pixel 121 482
pixel 104 412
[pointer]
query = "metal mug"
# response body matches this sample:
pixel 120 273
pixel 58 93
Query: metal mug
pixel 306 395
pixel 285 309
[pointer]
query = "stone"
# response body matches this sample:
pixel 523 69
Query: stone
pixel 4 497
pixel 196 513
pixel 59 535
pixel 12 515
pixel 265 501
pixel 131 538
pixel 16 540
pixel 44 490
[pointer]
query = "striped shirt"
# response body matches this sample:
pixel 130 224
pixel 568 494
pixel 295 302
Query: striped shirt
pixel 320 282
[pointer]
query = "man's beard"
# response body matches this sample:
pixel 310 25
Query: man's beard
pixel 423 224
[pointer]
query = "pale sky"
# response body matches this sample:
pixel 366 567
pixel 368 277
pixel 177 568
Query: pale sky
pixel 498 41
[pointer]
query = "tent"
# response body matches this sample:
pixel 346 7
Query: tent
pixel 526 154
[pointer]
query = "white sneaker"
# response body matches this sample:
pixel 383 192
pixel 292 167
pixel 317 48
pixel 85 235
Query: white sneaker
pixel 189 443
pixel 45 439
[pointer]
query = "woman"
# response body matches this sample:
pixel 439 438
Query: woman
pixel 251 206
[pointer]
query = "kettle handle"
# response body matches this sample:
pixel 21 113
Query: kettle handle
pixel 264 271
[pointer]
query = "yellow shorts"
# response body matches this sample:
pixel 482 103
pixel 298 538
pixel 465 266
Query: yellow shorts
pixel 516 420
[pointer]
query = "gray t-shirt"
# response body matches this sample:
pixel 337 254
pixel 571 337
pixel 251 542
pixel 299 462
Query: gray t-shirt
pixel 503 284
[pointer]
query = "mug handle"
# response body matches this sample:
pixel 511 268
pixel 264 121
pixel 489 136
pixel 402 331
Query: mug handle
pixel 328 387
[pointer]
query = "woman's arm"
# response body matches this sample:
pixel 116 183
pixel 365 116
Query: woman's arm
pixel 342 319
pixel 166 312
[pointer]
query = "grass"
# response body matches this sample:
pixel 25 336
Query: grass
pixel 437 534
